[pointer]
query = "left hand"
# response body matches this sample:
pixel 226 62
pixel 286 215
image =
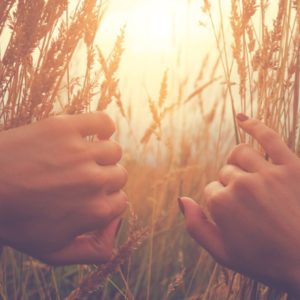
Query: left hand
pixel 255 210
pixel 61 195
pixel 98 245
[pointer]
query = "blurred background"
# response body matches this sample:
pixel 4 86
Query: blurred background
pixel 172 74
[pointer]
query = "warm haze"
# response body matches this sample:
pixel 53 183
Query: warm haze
pixel 171 75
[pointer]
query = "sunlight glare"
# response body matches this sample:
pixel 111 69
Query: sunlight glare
pixel 152 24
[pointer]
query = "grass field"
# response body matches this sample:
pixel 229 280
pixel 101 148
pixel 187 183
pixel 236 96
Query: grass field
pixel 175 139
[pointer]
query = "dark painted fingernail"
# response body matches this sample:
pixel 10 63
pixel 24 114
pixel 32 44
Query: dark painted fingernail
pixel 119 227
pixel 242 117
pixel 181 206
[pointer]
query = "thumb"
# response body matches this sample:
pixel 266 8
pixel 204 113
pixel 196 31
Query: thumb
pixel 202 230
pixel 90 248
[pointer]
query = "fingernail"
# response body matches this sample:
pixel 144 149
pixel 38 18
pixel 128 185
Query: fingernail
pixel 181 206
pixel 242 117
pixel 119 227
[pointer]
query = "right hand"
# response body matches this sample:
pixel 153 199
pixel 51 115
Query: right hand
pixel 255 211
pixel 60 195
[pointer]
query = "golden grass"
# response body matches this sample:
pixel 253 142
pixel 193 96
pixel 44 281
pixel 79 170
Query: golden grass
pixel 257 74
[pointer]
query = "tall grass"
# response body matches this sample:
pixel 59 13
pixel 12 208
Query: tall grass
pixel 256 70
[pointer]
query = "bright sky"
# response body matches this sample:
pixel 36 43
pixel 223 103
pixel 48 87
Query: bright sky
pixel 153 25
pixel 160 35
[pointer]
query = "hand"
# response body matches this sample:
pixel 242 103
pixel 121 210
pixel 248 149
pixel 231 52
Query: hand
pixel 90 248
pixel 255 211
pixel 60 194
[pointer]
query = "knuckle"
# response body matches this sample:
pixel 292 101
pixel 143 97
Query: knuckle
pixel 208 192
pixel 104 116
pixel 96 177
pixel 101 210
pixel 118 151
pixel 77 147
pixel 211 194
pixel 225 171
pixel 60 123
pixel 106 152
pixel 120 204
pixel 100 178
pixel 215 204
pixel 241 183
pixel 238 151
pixel 123 198
pixel 106 119
pixel 212 203
pixel 58 120
pixel 123 174
pixel 106 209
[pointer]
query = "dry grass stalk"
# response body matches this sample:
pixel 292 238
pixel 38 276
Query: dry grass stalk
pixel 34 77
pixel 35 63
pixel 178 278
pixel 109 87
pixel 95 281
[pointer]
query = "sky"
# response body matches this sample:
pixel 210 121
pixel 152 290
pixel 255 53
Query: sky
pixel 173 35
pixel 161 35
pixel 158 30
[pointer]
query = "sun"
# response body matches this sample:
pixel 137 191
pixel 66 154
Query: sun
pixel 151 25
pixel 160 35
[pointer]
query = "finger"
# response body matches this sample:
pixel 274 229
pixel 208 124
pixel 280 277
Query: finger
pixel 104 209
pixel 100 211
pixel 96 123
pixel 112 178
pixel 106 152
pixel 203 231
pixel 216 196
pixel 92 248
pixel 246 158
pixel 229 173
pixel 212 189
pixel 268 138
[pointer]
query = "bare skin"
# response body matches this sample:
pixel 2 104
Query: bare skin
pixel 255 211
pixel 61 195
